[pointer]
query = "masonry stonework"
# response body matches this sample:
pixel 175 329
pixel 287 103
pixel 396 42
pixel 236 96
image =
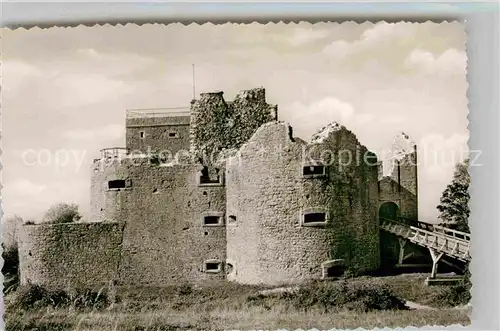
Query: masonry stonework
pixel 236 197
pixel 164 134
pixel 61 255
pixel 159 236
pixel 217 124
pixel 398 194
pixel 269 195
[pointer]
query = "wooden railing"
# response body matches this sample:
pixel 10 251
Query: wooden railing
pixel 438 228
pixel 113 152
pixel 158 112
pixel 452 233
pixel 441 241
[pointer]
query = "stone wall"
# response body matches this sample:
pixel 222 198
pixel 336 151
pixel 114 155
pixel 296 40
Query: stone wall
pixel 391 191
pixel 405 173
pixel 165 241
pixel 268 194
pixel 160 134
pixel 106 204
pixel 399 187
pixel 78 254
pixel 217 124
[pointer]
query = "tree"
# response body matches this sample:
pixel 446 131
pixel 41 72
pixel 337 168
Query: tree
pixel 10 227
pixel 62 213
pixel 454 203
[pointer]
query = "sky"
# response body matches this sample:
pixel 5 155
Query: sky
pixel 66 90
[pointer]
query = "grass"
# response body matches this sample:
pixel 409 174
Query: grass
pixel 412 287
pixel 253 318
pixel 367 302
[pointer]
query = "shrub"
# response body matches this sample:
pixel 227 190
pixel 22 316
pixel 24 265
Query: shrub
pixel 30 297
pixel 358 297
pixel 375 297
pixel 34 296
pixel 10 268
pixel 456 295
pixel 10 256
pixel 62 213
pixel 87 298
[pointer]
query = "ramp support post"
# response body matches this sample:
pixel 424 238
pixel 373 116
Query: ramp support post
pixel 435 259
pixel 402 244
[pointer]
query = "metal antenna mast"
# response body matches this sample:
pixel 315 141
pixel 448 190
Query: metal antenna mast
pixel 194 86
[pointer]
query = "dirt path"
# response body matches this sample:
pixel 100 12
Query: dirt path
pixel 414 305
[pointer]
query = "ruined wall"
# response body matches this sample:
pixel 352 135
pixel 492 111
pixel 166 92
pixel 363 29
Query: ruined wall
pixel 268 194
pixel 399 187
pixel 405 173
pixel 79 254
pixel 391 191
pixel 217 124
pixel 165 241
pixel 167 134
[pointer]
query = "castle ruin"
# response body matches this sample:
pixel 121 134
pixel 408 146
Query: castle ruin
pixel 223 190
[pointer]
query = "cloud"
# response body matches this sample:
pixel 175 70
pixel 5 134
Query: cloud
pixel 372 38
pixel 89 53
pixel 31 199
pixel 308 118
pixel 385 32
pixel 76 89
pixel 438 154
pixel 450 62
pixel 302 35
pixel 108 132
pixel 16 73
pixel 22 186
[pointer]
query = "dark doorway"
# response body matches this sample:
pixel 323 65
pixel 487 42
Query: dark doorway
pixel 335 271
pixel 388 210
pixel 389 245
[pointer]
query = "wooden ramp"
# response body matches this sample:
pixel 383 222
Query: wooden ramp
pixel 453 243
pixel 439 240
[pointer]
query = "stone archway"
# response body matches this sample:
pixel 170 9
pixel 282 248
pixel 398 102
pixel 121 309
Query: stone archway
pixel 388 210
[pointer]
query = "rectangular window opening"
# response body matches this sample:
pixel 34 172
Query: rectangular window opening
pixel 208 178
pixel 315 218
pixel 232 219
pixel 313 170
pixel 142 134
pixel 116 184
pixel 173 135
pixel 333 269
pixel 212 266
pixel 211 220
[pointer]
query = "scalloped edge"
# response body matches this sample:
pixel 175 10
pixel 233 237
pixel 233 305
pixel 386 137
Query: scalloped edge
pixel 249 21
